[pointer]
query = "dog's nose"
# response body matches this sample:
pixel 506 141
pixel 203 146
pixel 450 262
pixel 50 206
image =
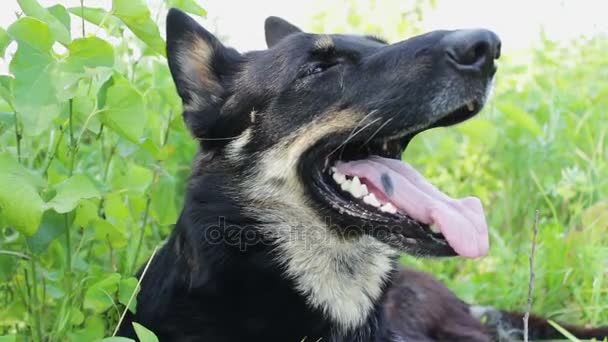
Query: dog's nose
pixel 473 50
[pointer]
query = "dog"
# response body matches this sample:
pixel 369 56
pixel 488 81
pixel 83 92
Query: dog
pixel 298 205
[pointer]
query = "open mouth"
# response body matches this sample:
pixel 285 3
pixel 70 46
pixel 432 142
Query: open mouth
pixel 369 187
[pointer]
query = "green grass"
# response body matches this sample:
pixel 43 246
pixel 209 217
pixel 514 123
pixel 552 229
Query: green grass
pixel 92 190
pixel 541 143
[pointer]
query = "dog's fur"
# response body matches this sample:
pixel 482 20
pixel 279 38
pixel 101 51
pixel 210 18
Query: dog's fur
pixel 262 250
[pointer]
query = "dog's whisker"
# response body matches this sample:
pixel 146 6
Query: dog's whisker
pixel 354 131
pixel 352 136
pixel 377 131
pixel 355 134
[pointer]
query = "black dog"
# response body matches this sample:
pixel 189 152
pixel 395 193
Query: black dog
pixel 298 204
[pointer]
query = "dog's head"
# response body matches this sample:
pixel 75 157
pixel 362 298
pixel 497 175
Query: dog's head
pixel 316 124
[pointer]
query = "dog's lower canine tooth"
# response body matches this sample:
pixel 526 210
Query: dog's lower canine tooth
pixel 470 106
pixel 435 229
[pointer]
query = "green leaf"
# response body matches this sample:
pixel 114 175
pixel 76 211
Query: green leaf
pixel 62 14
pixel 89 52
pixel 99 17
pixel 20 205
pixel 132 177
pixel 5 39
pixel 105 231
pixel 144 334
pixel 71 191
pixel 189 6
pixel 116 339
pixel 86 213
pixel 93 330
pixel 163 203
pixel 34 68
pixel 6 88
pixel 124 110
pixel 126 288
pixel 51 227
pixel 12 338
pixel 135 14
pixel 33 9
pixel 100 295
pixel 32 32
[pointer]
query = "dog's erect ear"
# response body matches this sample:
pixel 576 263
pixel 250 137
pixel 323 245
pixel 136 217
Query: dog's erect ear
pixel 277 29
pixel 200 65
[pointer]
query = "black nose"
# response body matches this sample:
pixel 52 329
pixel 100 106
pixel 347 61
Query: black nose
pixel 473 50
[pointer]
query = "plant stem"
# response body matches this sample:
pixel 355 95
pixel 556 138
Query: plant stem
pixel 53 152
pixel 18 136
pixel 68 245
pixel 141 234
pixel 73 146
pixel 37 329
pixel 82 17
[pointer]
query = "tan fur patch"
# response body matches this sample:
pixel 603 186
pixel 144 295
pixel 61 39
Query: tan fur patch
pixel 194 60
pixel 324 42
pixel 314 255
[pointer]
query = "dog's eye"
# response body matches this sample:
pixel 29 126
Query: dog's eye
pixel 318 68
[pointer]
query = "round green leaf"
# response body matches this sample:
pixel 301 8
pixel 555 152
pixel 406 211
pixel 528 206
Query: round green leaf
pixel 35 94
pixel 33 9
pixel 32 32
pixel 105 231
pixel 124 110
pixel 71 191
pixel 20 205
pixel 89 52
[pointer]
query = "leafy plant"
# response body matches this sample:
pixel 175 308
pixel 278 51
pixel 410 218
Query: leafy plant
pixel 92 153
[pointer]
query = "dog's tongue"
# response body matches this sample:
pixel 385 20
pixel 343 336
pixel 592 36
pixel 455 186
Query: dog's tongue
pixel 461 221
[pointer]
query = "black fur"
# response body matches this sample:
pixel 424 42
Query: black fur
pixel 268 124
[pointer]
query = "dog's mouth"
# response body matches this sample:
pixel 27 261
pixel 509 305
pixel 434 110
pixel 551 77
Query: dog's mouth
pixel 372 191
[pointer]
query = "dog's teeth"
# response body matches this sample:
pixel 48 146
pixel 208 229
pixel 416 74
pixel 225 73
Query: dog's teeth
pixel 471 106
pixel 345 185
pixel 435 229
pixel 333 169
pixel 371 200
pixel 338 177
pixel 388 208
pixel 357 189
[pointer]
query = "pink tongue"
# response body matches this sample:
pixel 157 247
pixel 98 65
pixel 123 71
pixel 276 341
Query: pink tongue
pixel 461 221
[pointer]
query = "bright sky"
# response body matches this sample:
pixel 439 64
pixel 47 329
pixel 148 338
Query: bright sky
pixel 518 22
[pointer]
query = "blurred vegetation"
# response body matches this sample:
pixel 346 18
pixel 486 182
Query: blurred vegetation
pixel 87 191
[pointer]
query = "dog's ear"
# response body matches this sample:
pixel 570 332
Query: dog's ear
pixel 277 29
pixel 200 66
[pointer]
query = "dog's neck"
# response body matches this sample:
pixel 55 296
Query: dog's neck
pixel 342 277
